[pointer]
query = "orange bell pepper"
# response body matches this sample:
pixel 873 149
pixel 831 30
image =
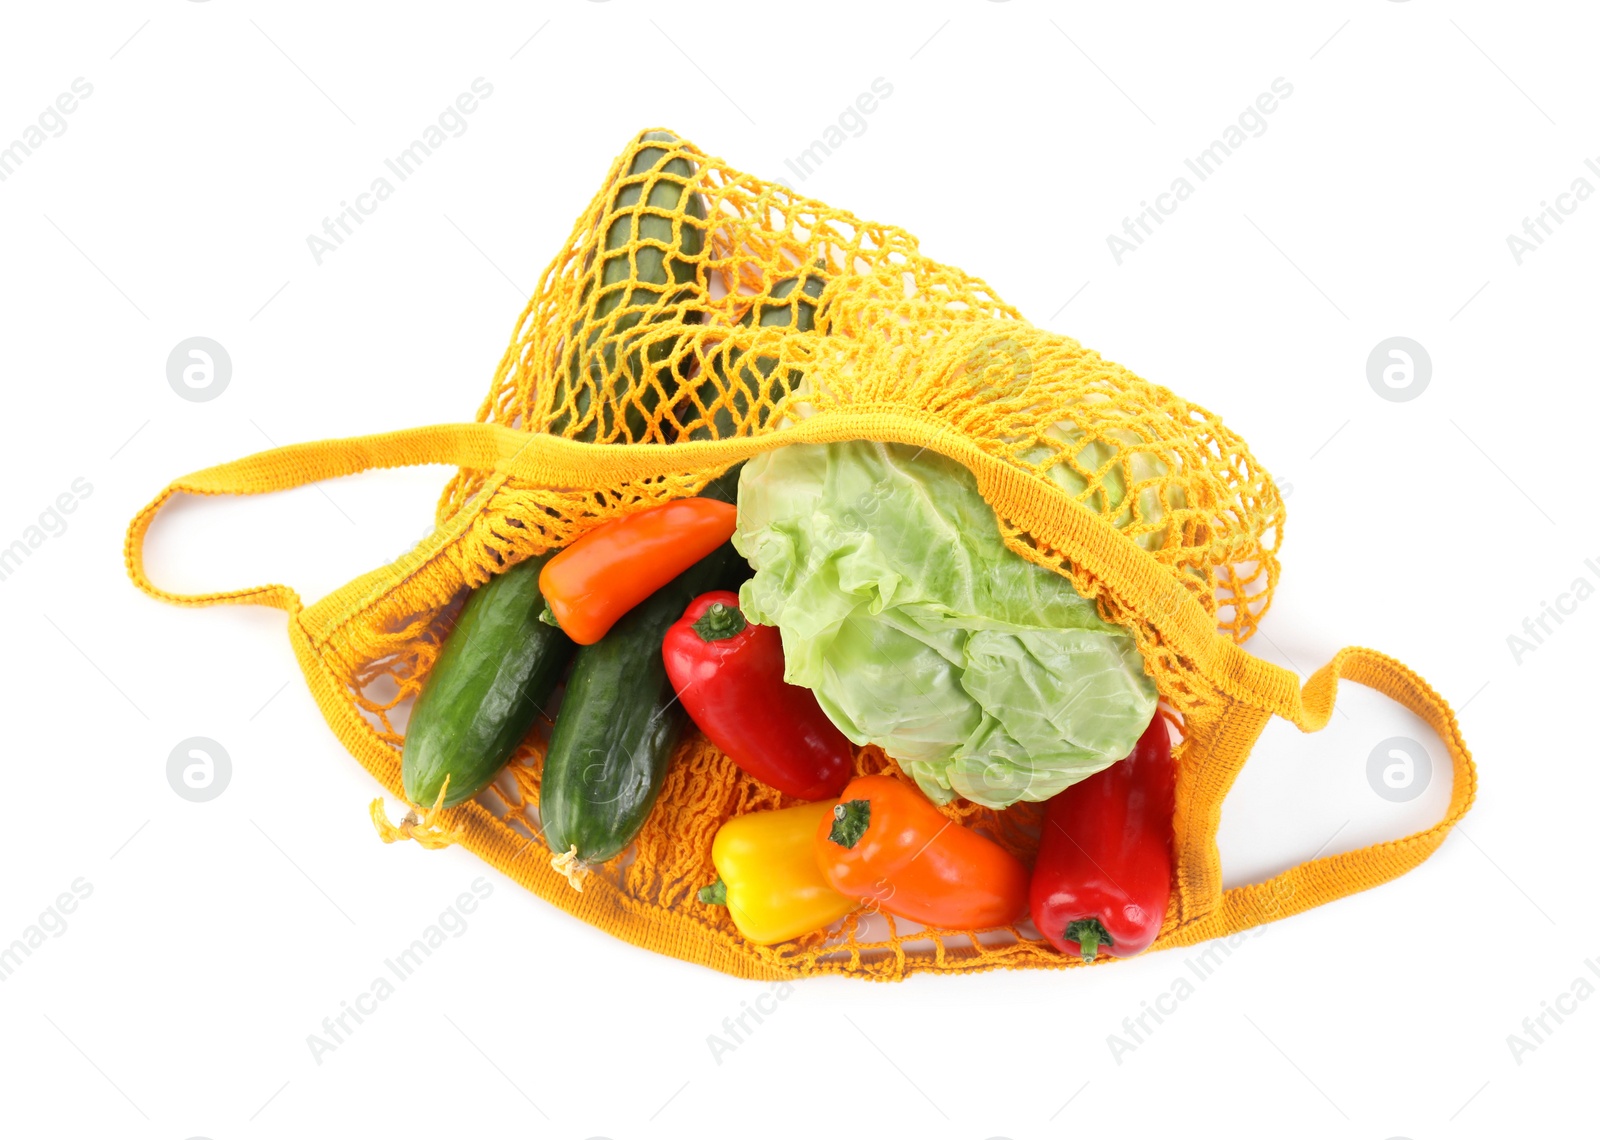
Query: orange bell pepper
pixel 886 843
pixel 606 572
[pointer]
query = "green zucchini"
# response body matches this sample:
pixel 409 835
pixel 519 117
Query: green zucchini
pixel 619 722
pixel 785 308
pixel 628 288
pixel 489 683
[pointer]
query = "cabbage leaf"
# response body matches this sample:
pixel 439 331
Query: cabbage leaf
pixel 983 674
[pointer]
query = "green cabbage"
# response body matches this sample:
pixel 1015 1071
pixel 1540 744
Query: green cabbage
pixel 900 606
pixel 1149 508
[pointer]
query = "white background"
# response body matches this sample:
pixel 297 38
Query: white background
pixel 178 1000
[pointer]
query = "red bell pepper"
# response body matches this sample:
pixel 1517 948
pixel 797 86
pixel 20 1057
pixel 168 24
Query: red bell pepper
pixel 729 674
pixel 1104 872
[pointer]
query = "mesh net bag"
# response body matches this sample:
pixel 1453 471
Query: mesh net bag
pixel 697 316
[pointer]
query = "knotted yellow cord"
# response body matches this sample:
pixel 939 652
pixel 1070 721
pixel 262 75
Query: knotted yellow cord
pixel 419 824
pixel 571 868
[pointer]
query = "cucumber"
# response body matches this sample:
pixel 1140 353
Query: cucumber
pixel 725 487
pixel 652 271
pixel 489 683
pixel 619 722
pixel 786 307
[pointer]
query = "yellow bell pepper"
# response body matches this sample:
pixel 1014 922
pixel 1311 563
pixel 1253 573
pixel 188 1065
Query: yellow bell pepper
pixel 769 879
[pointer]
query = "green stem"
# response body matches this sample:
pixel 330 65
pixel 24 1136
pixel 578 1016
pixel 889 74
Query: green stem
pixel 1088 933
pixel 719 623
pixel 714 895
pixel 850 820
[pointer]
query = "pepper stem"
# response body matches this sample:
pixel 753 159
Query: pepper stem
pixel 719 623
pixel 1089 934
pixel 716 894
pixel 850 820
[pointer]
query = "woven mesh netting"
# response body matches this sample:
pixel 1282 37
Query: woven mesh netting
pixel 695 302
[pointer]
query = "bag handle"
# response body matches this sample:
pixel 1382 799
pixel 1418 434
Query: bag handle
pixel 475 446
pixel 1330 877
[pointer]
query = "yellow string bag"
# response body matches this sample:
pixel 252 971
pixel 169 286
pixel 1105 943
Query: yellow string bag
pixel 631 379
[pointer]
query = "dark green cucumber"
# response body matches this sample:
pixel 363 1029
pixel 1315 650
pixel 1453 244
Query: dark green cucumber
pixel 619 722
pixel 489 683
pixel 628 288
pixel 725 487
pixel 786 307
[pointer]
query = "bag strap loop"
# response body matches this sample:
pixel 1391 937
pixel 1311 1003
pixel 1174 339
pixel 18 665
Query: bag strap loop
pixel 1330 877
pixel 474 446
